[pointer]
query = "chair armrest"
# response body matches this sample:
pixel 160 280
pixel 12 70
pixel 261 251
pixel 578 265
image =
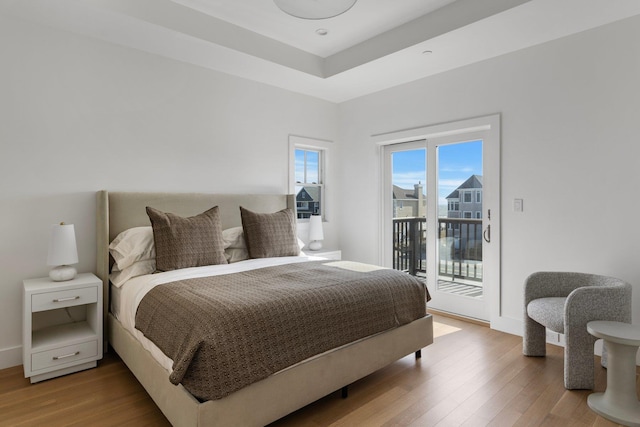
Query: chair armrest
pixel 607 302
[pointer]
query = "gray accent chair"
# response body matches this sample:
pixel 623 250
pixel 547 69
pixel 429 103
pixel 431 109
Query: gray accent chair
pixel 565 302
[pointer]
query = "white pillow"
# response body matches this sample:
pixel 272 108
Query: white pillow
pixel 138 268
pixel 233 238
pixel 236 254
pixel 132 245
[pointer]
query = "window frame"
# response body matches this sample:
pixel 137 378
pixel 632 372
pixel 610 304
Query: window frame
pixel 322 147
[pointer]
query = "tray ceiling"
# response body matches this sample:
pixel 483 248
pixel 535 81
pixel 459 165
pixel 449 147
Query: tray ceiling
pixel 375 45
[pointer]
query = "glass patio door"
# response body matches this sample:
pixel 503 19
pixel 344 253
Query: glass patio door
pixel 438 196
pixel 457 265
pixel 408 162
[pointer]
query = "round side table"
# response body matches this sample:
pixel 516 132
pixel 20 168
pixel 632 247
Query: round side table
pixel 619 402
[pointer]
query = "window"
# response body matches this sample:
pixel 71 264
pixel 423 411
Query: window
pixel 467 214
pixel 308 183
pixel 478 196
pixel 454 206
pixel 307 169
pixel 467 196
pixel 478 215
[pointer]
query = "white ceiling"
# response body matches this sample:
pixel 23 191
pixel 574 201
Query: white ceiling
pixel 375 45
pixel 366 19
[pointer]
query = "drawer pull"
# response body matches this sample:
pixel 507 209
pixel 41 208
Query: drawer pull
pixel 66 299
pixel 66 355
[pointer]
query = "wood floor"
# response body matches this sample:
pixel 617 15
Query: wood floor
pixel 470 376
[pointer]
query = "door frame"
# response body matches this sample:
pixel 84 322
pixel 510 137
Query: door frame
pixel 386 251
pixel 490 128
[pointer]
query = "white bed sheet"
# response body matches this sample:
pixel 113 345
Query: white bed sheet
pixel 125 300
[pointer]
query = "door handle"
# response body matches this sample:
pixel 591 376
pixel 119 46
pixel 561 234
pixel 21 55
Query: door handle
pixel 487 234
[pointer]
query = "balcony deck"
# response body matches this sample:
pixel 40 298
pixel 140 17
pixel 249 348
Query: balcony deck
pixel 459 288
pixel 460 253
pixel 462 287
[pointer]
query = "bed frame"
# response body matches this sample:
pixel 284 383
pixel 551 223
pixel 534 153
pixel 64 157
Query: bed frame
pixel 267 400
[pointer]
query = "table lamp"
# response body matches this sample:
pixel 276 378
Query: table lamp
pixel 62 252
pixel 315 232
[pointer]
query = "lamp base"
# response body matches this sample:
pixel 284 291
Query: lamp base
pixel 316 245
pixel 62 273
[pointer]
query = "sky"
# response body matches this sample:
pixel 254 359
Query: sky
pixel 310 159
pixel 456 163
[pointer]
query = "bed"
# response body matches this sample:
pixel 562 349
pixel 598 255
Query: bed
pixel 268 399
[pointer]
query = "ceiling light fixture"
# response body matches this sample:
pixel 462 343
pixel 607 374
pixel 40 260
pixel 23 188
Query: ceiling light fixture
pixel 314 9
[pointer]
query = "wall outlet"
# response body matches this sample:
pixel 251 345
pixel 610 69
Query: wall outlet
pixel 553 337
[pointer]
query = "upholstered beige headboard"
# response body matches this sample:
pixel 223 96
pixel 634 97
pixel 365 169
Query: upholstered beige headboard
pixel 118 211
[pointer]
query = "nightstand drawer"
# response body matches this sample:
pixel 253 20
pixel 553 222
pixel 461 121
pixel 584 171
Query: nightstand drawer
pixel 63 355
pixel 67 298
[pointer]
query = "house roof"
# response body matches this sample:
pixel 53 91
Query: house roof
pixel 313 192
pixel 403 193
pixel 474 181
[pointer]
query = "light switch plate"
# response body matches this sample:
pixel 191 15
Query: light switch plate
pixel 518 205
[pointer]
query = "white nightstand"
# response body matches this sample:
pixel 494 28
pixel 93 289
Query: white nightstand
pixel 335 254
pixel 62 326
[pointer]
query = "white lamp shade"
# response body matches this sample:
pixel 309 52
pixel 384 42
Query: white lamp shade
pixel 315 228
pixel 62 245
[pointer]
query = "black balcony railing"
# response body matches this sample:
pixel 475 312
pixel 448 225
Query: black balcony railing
pixel 459 247
pixel 409 245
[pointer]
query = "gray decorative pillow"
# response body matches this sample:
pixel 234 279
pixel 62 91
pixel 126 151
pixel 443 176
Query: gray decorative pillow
pixel 187 242
pixel 270 234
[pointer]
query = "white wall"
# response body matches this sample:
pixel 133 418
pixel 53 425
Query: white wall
pixel 570 148
pixel 78 115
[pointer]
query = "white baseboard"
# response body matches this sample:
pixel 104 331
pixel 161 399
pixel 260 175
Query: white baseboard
pixel 508 325
pixel 10 357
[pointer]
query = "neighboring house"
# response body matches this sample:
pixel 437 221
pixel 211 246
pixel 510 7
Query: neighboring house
pixel 409 203
pixel 308 202
pixel 466 200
